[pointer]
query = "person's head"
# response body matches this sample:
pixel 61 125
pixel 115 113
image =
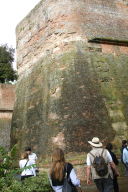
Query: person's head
pixel 124 143
pixel 24 155
pixel 58 155
pixel 28 150
pixel 95 142
pixel 109 147
pixel 58 162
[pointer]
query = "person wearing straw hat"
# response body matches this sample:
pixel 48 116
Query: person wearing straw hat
pixel 104 182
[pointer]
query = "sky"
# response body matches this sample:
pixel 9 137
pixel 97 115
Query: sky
pixel 11 13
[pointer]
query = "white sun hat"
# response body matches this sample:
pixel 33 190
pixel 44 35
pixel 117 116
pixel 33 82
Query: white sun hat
pixel 95 142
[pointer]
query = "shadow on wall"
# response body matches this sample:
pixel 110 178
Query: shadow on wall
pixel 82 105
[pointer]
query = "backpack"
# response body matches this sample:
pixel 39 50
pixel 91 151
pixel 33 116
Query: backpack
pixel 100 165
pixel 67 185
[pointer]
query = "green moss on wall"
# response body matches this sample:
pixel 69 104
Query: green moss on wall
pixel 78 93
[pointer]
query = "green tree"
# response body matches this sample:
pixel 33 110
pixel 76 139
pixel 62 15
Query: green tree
pixel 7 73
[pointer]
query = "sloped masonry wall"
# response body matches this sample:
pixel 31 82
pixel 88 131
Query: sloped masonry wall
pixel 69 89
pixel 71 98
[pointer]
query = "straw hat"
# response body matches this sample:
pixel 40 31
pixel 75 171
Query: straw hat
pixel 95 142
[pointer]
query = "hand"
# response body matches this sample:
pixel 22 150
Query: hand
pixel 117 173
pixel 79 189
pixel 89 181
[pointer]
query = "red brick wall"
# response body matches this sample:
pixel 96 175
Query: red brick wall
pixel 7 98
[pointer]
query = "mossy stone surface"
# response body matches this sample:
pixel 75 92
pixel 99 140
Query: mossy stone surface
pixel 68 99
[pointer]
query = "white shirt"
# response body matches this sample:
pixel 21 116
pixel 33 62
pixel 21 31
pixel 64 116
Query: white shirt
pixel 109 159
pixel 32 158
pixel 125 155
pixel 75 181
pixel 29 171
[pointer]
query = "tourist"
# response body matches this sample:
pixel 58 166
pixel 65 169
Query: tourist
pixel 109 147
pixel 23 164
pixel 125 158
pixel 103 183
pixel 32 158
pixel 58 170
pixel 124 145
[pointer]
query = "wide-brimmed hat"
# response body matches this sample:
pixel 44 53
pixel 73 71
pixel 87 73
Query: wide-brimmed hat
pixel 95 142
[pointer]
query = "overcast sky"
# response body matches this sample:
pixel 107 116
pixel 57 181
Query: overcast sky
pixel 11 13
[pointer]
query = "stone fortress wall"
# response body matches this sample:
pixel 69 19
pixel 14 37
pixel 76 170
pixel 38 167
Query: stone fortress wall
pixel 73 65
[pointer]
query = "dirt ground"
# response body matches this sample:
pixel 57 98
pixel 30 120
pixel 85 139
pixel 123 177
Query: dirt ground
pixel 123 186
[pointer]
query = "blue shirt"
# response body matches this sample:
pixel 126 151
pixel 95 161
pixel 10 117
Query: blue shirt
pixel 125 155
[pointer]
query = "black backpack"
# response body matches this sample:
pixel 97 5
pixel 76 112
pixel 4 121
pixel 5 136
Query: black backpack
pixel 100 165
pixel 67 185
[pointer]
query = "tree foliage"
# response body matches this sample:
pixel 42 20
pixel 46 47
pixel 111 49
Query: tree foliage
pixel 7 73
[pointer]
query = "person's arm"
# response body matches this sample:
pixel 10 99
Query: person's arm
pixel 20 164
pixel 35 157
pixel 51 182
pixel 88 170
pixel 88 174
pixel 34 172
pixel 115 160
pixel 75 181
pixel 112 164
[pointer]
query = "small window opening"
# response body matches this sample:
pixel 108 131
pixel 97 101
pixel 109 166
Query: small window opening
pixel 109 41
